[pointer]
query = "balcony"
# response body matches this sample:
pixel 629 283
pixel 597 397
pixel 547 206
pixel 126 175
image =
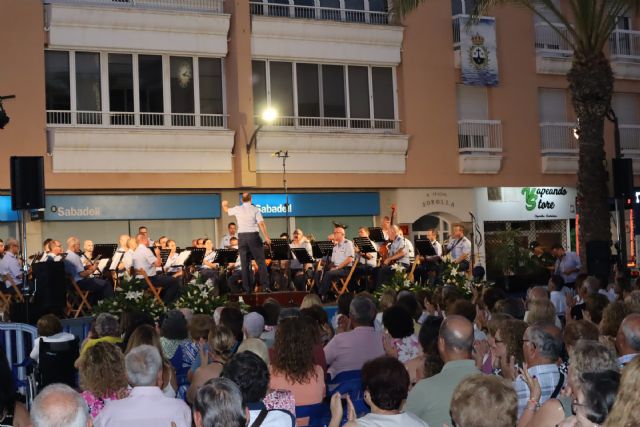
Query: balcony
pixel 630 144
pixel 204 6
pixel 333 145
pixel 559 148
pixel 480 145
pixel 167 26
pixel 553 53
pixel 624 46
pixel 286 9
pixel 95 141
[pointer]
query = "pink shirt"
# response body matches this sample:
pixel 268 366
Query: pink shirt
pixel 145 407
pixel 304 394
pixel 348 351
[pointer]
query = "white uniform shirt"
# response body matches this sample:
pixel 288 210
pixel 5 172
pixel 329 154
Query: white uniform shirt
pixel 225 242
pixel 169 266
pixel 144 259
pixel 247 216
pixel 342 251
pixel 437 247
pixel 209 258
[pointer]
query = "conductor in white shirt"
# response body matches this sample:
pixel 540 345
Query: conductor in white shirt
pixel 250 223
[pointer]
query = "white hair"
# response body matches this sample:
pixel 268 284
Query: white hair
pixel 58 405
pixel 143 364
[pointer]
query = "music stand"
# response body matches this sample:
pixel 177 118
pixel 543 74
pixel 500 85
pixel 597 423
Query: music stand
pixel 322 248
pixel 195 257
pixel 376 234
pixel 365 245
pixel 225 256
pixel 425 248
pixel 105 250
pixel 302 255
pixel 279 249
pixel 164 255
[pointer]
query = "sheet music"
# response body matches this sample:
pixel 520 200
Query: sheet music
pixel 182 258
pixel 102 264
pixel 116 260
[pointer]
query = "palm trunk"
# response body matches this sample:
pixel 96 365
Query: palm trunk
pixel 591 86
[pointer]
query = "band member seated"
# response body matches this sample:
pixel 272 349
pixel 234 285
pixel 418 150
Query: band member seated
pixel 298 271
pixel 10 266
pixel 234 273
pixel 127 259
pixel 87 254
pixel 209 269
pixel 144 259
pixel 163 242
pixel 341 261
pixel 46 248
pixel 116 261
pixel 98 288
pixel 225 242
pixel 459 248
pixel 170 267
pixel 401 252
pixel 428 271
pixel 367 262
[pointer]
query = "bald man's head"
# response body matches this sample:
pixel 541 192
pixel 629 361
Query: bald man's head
pixel 456 335
pixel 628 338
pixel 538 293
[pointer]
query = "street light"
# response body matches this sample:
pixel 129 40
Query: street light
pixel 268 116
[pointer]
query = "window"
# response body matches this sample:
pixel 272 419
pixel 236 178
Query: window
pixel 58 91
pixel 281 88
pixel 553 107
pixel 359 94
pixel 88 82
pixel 472 103
pixel 305 9
pixel 462 7
pixel 330 10
pixel 259 86
pixel 151 97
pixel 354 10
pixel 333 92
pixel 211 94
pixel 308 90
pixel 181 75
pixel 625 105
pixel 383 99
pixel 121 88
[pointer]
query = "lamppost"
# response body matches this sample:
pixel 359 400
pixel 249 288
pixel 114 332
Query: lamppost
pixel 268 116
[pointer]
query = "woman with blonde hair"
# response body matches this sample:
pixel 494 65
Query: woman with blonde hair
pixel 102 376
pixel 147 334
pixel 541 312
pixel 625 410
pixel 310 300
pixel 221 344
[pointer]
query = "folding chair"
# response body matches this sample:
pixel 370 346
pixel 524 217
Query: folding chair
pixel 7 297
pixel 17 340
pixel 77 300
pixel 412 271
pixel 155 290
pixel 55 364
pixel 344 282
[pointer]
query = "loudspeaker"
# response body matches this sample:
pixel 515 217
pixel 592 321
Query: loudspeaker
pixel 27 183
pixel 623 178
pixel 599 260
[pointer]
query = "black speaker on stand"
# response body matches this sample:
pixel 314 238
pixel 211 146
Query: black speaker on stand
pixel 27 192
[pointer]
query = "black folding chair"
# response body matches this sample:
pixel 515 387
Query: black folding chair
pixel 55 363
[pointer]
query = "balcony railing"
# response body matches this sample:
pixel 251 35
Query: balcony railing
pixel 210 6
pixel 283 8
pixel 65 118
pixel 630 139
pixel 625 44
pixel 335 124
pixel 558 138
pixel 549 42
pixel 459 23
pixel 479 136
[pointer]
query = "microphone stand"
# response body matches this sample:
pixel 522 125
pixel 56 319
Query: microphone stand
pixel 284 155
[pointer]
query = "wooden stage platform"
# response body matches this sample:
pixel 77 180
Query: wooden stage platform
pixel 285 298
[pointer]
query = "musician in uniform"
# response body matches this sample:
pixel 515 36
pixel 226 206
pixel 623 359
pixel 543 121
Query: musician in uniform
pixel 297 269
pixel 98 288
pixel 144 259
pixel 429 267
pixel 367 262
pixel 209 270
pixel 250 220
pixel 401 251
pixel 170 267
pixel 11 266
pixel 235 271
pixel 232 229
pixel 341 260
pixel 459 248
pixel 87 254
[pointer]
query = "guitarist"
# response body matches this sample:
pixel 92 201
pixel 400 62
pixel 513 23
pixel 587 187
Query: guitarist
pixel 460 248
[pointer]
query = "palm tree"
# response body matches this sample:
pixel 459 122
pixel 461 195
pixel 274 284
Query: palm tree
pixel 591 87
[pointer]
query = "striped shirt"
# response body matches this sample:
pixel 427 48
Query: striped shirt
pixel 548 376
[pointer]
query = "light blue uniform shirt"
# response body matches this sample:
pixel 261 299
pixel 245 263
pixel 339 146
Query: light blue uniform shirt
pixel 9 265
pixel 463 247
pixel 247 217
pixel 341 252
pixel 73 265
pixel 404 245
pixel 144 259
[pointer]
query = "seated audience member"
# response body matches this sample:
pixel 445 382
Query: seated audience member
pixel 221 344
pixel 59 405
pixel 319 316
pixel 310 300
pixel 585 356
pixel 508 347
pixel 579 330
pixel 98 288
pixel 340 321
pixel 102 376
pixel 257 347
pixel 612 318
pixel 625 409
pixel 272 313
pixel 129 322
pixel 49 330
pixel 251 374
pixel 400 341
pixel 557 294
pixel 511 306
pixel 144 259
pixel 146 405
pixel 584 286
pixel 219 403
pixel 292 362
pixel 484 401
pixel 542 348
pixel 429 362
pixel 199 328
pixel 594 307
pixel 13 410
pixel 386 300
pixel 349 350
pixel 147 335
pixel 593 397
pixel 539 293
pixel 107 329
pixel 232 318
pixel 253 325
pixel 386 384
pixel 542 312
pixel 174 333
pixel 430 399
pixel 628 339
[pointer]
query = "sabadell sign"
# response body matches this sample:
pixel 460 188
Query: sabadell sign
pixel 525 203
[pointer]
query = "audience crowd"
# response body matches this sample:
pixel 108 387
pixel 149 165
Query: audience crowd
pixel 560 357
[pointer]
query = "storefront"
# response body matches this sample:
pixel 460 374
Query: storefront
pixel 102 218
pixel 526 214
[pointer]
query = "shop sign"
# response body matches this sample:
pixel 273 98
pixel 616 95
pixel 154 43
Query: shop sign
pixel 132 207
pixel 436 199
pixel 526 203
pixel 317 204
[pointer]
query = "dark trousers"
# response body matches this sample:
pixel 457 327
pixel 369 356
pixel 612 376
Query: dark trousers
pixel 251 243
pixel 385 273
pixel 330 276
pixel 98 288
pixel 170 287
pixel 234 277
pixel 363 273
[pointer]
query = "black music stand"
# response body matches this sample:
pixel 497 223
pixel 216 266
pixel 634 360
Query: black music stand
pixel 365 244
pixel 279 249
pixel 105 250
pixel 376 234
pixel 425 248
pixel 322 248
pixel 302 255
pixel 225 256
pixel 195 257
pixel 164 256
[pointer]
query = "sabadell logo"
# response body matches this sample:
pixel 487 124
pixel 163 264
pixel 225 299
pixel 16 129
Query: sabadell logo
pixel 274 209
pixel 75 212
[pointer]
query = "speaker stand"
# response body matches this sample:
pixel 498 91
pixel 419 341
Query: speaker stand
pixel 26 288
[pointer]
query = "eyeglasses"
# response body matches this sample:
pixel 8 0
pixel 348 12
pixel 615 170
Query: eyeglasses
pixel 498 341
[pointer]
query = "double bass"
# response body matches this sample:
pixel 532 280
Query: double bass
pixel 384 248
